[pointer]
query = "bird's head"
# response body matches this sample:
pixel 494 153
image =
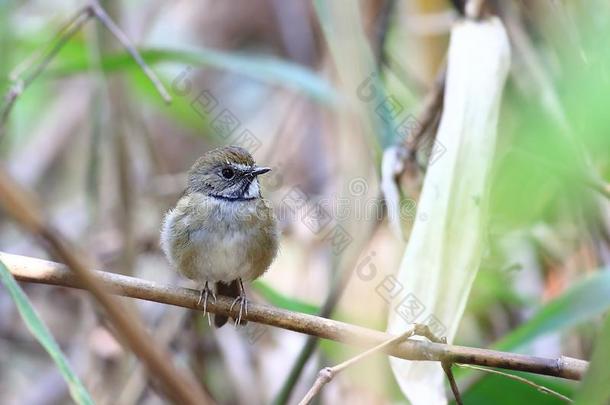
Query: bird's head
pixel 227 173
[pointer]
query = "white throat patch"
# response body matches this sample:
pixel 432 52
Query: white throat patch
pixel 253 190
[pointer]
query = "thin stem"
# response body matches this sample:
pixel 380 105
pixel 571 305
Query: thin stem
pixel 342 366
pixel 328 373
pixel 334 295
pixel 540 388
pixel 431 109
pixel 454 387
pixel 65 33
pixel 69 28
pixel 384 21
pixel 105 19
pixel 20 84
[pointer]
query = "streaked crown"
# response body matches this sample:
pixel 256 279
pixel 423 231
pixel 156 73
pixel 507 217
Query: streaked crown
pixel 227 173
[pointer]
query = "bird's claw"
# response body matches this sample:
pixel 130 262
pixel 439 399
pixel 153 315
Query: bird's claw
pixel 243 308
pixel 203 296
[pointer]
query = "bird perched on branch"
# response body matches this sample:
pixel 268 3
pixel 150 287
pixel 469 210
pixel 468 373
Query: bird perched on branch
pixel 222 232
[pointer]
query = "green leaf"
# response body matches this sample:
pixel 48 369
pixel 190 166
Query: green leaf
pixel 282 301
pixel 181 109
pixel 41 333
pixel 584 301
pixel 264 68
pixel 595 388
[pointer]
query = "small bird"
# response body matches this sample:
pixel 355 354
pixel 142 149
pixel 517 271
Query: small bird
pixel 222 232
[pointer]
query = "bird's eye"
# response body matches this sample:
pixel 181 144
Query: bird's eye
pixel 228 173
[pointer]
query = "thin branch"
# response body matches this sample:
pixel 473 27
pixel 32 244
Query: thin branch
pixel 454 387
pixel 177 385
pixel 103 17
pixel 41 271
pixel 433 102
pixel 431 110
pixel 382 26
pixel 65 33
pixel 20 84
pixel 333 296
pixel 428 119
pixel 538 387
pixel 328 373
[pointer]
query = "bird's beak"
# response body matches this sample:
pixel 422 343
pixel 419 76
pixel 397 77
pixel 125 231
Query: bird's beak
pixel 259 170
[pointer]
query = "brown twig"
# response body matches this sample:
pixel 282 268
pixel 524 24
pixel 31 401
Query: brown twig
pixel 454 387
pixel 382 26
pixel 538 387
pixel 178 386
pixel 41 271
pixel 103 17
pixel 430 111
pixel 328 373
pixel 68 30
pixel 333 296
pixel 433 102
pixel 20 84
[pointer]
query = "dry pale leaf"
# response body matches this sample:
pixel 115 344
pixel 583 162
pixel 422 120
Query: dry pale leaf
pixel 445 248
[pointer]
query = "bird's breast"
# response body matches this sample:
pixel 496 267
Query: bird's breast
pixel 227 240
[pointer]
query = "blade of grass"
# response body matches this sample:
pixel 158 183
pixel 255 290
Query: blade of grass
pixel 489 386
pixel 261 67
pixel 78 392
pixel 181 110
pixel 595 389
pixel 582 302
pixel 283 301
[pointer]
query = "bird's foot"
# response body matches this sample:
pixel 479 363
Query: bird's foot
pixel 206 292
pixel 243 308
pixel 243 304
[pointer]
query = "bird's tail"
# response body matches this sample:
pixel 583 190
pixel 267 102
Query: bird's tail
pixel 228 290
